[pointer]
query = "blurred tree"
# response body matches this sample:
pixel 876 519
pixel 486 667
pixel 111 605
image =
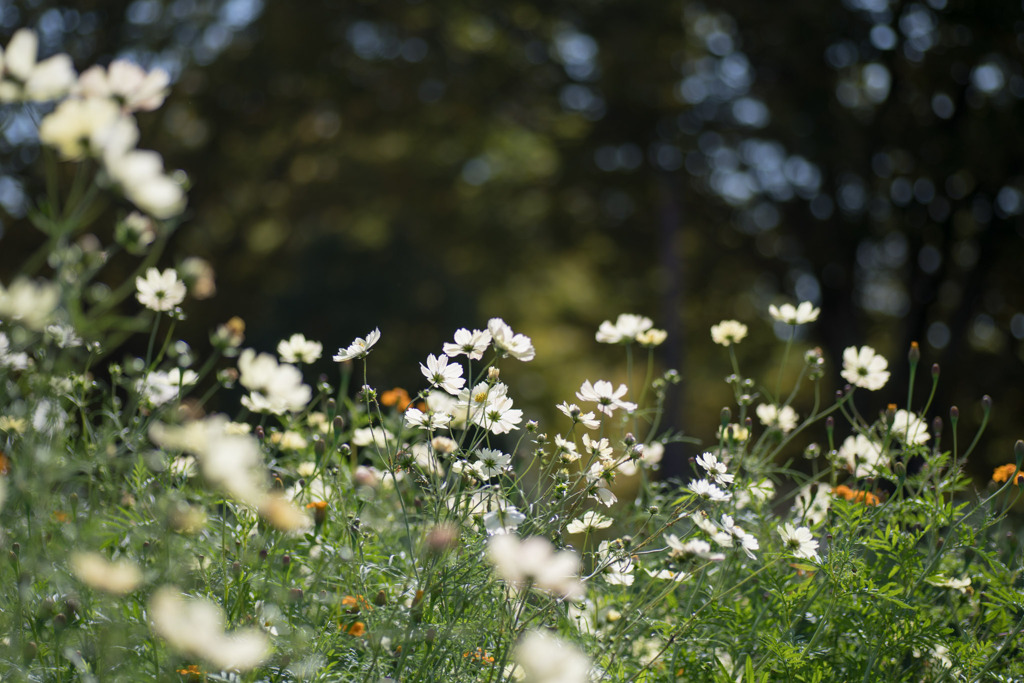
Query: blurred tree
pixel 424 166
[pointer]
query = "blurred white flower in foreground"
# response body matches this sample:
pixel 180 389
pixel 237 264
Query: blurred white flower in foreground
pixel 626 329
pixel 534 563
pixel 118 578
pixel 160 291
pixel 80 128
pixel 30 303
pixel 234 464
pixel 23 78
pixel 545 658
pixel 195 627
pixel 795 315
pixel 127 83
pixel 140 175
pixel 865 368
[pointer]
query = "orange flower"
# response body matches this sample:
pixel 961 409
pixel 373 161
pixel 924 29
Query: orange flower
pixel 1004 472
pixel 856 496
pixel 397 397
pixel 61 516
pixel 192 671
pixel 5 464
pixel 357 629
pixel 479 655
pixel 353 604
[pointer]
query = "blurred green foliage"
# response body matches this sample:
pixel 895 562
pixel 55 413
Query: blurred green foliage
pixel 425 165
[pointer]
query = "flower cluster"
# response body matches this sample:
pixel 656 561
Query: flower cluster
pixel 95 118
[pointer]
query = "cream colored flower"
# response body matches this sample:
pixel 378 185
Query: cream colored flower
pixel 195 627
pixel 118 577
pixel 728 332
pixel 795 315
pixel 546 658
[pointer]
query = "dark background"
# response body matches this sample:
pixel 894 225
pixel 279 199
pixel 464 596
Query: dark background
pixel 423 166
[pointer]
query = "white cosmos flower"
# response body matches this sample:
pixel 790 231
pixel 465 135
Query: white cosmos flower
pixel 160 291
pixel 909 428
pixel 488 406
pixel 619 568
pixel 23 78
pixel 865 368
pixel 490 462
pixel 590 520
pixel 545 658
pixel 694 547
pixel 715 468
pixel 566 449
pixel 503 520
pixel 534 562
pixel 358 348
pixel 276 387
pixel 863 456
pixel 728 332
pixel 605 395
pixel 795 315
pixel 505 340
pixel 601 448
pixel 127 83
pixel 746 540
pixel 440 374
pixel 574 413
pixel 298 349
pixel 705 489
pixel 500 417
pixel 626 328
pixel 784 418
pixel 195 627
pixel 799 541
pixel 473 344
pixel 430 420
pixel 159 387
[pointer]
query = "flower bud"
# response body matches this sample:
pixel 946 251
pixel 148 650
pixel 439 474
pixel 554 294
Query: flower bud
pixel 1018 453
pixel 986 403
pixel 493 374
pixel 954 415
pixel 725 417
pixel 914 355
